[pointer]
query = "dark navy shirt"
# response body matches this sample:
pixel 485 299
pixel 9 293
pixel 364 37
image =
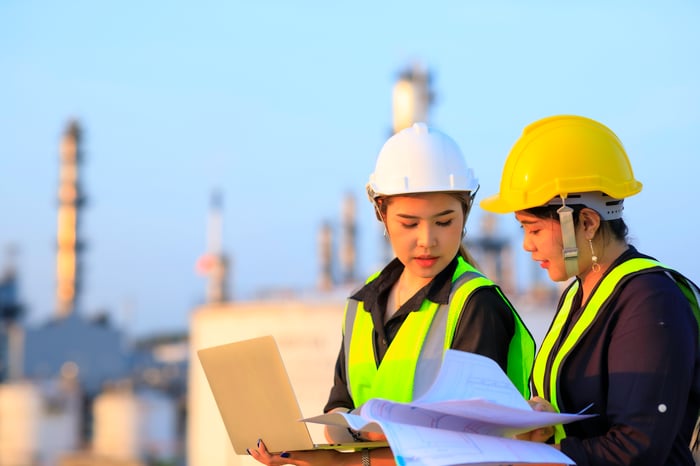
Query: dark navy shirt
pixel 639 365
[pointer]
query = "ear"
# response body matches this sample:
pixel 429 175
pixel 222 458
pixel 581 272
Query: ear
pixel 378 204
pixel 589 220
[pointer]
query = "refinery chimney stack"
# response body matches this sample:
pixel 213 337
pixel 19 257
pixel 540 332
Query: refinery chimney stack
pixel 215 264
pixel 411 99
pixel 325 254
pixel 348 255
pixel 69 240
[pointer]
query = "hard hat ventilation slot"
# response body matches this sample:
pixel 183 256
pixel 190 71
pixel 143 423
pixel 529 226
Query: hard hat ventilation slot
pixel 607 207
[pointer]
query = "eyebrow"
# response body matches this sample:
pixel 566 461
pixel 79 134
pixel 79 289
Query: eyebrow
pixel 529 222
pixel 439 214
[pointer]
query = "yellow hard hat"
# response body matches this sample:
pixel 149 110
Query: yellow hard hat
pixel 559 156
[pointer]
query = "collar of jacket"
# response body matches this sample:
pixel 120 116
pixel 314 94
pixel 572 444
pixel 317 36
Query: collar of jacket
pixel 378 289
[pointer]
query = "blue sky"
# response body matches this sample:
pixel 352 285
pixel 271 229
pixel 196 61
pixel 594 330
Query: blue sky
pixel 284 106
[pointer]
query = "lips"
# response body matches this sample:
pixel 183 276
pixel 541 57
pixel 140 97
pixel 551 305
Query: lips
pixel 425 261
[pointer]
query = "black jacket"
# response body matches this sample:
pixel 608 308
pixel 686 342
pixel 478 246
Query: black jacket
pixel 639 365
pixel 485 326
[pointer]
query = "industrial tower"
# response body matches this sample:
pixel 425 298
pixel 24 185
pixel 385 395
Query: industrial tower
pixel 325 254
pixel 348 245
pixel 412 97
pixel 69 239
pixel 215 264
pixel 347 249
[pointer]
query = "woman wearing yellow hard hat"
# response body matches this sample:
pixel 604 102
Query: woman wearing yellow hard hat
pixel 624 339
pixel 428 299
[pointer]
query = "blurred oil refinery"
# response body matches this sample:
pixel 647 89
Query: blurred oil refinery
pixel 75 391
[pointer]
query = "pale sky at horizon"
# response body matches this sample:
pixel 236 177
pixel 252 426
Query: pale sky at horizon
pixel 284 106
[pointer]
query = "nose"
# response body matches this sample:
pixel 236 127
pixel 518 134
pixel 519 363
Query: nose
pixel 427 237
pixel 528 245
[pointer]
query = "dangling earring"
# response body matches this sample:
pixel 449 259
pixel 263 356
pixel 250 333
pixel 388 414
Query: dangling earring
pixel 464 232
pixel 385 232
pixel 595 266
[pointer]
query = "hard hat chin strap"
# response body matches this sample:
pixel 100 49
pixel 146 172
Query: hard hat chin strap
pixel 568 234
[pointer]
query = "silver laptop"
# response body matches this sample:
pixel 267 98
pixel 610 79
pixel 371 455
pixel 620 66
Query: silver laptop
pixel 256 400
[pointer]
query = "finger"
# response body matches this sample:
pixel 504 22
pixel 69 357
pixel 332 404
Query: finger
pixel 261 454
pixel 542 405
pixel 271 459
pixel 548 432
pixel 375 436
pixel 543 434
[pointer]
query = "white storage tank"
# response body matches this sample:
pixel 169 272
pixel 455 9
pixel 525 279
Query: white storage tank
pixel 130 425
pixel 60 420
pixel 20 411
pixel 116 424
pixel 308 332
pixel 159 426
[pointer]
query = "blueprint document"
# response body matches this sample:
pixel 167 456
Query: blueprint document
pixel 468 416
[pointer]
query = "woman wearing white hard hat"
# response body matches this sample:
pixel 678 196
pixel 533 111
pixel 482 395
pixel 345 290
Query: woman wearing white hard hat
pixel 428 299
pixel 624 341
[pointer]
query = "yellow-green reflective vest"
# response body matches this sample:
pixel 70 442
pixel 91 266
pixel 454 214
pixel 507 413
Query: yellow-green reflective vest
pixel 546 382
pixel 414 356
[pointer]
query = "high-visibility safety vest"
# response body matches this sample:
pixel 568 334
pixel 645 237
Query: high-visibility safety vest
pixel 413 359
pixel 546 379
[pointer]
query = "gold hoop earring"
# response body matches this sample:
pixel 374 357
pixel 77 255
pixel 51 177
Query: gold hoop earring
pixel 595 266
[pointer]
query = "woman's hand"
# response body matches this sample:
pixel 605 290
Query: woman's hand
pixel 543 433
pixel 300 458
pixel 373 436
pixel 340 434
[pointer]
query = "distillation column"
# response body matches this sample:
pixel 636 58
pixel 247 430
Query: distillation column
pixel 412 97
pixel 69 239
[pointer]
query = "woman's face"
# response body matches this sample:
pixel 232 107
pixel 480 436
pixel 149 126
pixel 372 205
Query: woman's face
pixel 543 240
pixel 425 231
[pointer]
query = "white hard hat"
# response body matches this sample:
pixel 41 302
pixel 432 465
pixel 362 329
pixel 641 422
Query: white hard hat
pixel 420 159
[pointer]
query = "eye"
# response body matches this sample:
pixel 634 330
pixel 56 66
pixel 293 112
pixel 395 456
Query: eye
pixel 444 223
pixel 409 225
pixel 529 230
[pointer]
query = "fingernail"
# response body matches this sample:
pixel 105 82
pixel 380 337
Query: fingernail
pixel 259 440
pixel 248 450
pixel 285 454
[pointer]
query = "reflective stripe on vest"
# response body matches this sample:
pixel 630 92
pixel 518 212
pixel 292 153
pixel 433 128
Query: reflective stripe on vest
pixel 546 379
pixel 414 357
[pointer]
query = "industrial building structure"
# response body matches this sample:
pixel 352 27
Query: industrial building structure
pixel 72 390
